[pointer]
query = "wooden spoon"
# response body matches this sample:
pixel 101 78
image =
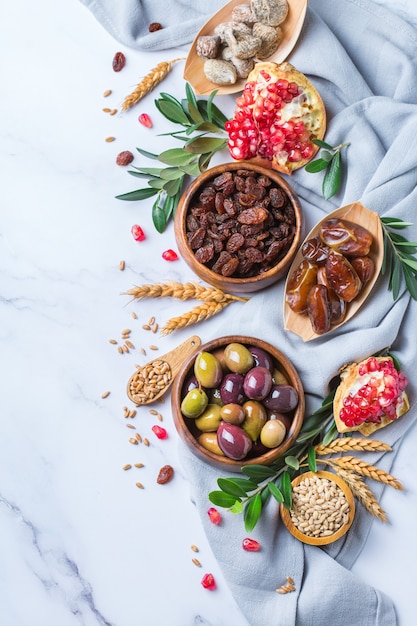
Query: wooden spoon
pixel 149 382
pixel 291 28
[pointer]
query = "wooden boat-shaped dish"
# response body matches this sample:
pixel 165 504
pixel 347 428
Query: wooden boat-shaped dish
pixel 358 214
pixel 291 29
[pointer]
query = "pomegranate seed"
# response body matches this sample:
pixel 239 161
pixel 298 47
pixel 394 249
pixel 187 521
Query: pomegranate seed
pixel 145 120
pixel 137 232
pixel 208 582
pixel 214 515
pixel 160 432
pixel 170 255
pixel 251 545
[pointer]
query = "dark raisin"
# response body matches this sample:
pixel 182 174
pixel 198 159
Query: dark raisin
pixel 119 61
pixel 154 26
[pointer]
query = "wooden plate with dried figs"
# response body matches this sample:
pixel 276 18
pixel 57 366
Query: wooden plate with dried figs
pixel 289 29
pixel 333 272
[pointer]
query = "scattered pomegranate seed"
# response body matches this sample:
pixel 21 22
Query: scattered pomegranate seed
pixel 251 545
pixel 170 255
pixel 214 515
pixel 208 582
pixel 145 120
pixel 160 432
pixel 137 232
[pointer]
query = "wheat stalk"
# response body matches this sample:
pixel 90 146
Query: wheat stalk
pixel 352 443
pixel 182 291
pixel 148 83
pixel 362 492
pixel 366 469
pixel 197 314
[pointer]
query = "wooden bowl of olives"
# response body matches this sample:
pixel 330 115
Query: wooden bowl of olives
pixel 238 401
pixel 238 227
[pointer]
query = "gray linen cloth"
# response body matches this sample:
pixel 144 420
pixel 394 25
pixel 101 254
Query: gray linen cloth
pixel 361 57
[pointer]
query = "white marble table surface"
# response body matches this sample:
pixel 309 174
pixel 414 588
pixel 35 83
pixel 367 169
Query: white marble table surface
pixel 80 544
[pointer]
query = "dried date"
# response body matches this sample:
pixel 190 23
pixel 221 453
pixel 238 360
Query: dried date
pixel 302 279
pixel 346 237
pixel 342 277
pixel 364 267
pixel 318 309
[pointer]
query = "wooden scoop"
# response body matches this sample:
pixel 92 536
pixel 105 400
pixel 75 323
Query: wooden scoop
pixel 291 29
pixel 149 382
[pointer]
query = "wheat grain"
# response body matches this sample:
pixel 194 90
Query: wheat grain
pixel 182 291
pixel 362 492
pixel 366 469
pixel 352 443
pixel 148 83
pixel 197 314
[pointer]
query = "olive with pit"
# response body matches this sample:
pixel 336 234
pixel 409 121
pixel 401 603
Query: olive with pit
pixel 255 418
pixel 273 433
pixel 257 383
pixel 209 442
pixel 194 403
pixel 208 370
pixel 261 357
pixel 210 419
pixel 231 389
pixel 233 441
pixel 237 358
pixel 232 413
pixel 282 398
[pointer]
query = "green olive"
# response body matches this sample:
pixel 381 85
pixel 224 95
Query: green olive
pixel 278 378
pixel 255 418
pixel 208 370
pixel 194 403
pixel 238 358
pixel 209 442
pixel 232 413
pixel 210 419
pixel 273 433
pixel 215 397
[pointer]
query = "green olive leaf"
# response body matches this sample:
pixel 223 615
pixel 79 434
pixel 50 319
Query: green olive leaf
pixel 171 173
pixel 257 473
pixel 252 512
pixel 145 153
pixel 395 222
pixel 292 461
pixel 201 144
pixel 220 498
pixel 286 489
pixel 159 218
pixel 411 282
pixel 139 194
pixel 172 187
pixel 333 177
pixel 322 144
pixel 275 492
pixel 229 486
pixel 316 166
pixel 311 459
pixel 175 156
pixel 173 111
pixel 237 507
pixel 330 434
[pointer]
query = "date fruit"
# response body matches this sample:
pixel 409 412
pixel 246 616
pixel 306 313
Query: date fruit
pixel 342 277
pixel 346 237
pixel 318 309
pixel 302 279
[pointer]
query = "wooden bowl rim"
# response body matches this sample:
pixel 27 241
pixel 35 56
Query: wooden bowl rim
pixel 205 273
pixel 226 462
pixel 320 541
pixel 300 324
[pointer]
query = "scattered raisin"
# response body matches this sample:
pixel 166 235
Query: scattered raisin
pixel 124 158
pixel 154 27
pixel 119 61
pixel 166 473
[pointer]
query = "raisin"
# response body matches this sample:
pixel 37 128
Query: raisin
pixel 255 215
pixel 235 242
pixel 166 474
pixel 124 158
pixel 119 61
pixel 154 26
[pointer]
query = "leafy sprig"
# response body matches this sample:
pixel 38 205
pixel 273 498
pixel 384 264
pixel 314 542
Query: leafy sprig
pixel 199 119
pixel 250 494
pixel 399 257
pixel 330 159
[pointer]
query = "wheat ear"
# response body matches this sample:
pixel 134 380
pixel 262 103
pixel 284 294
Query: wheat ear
pixel 362 492
pixel 366 469
pixel 148 83
pixel 197 314
pixel 352 443
pixel 182 291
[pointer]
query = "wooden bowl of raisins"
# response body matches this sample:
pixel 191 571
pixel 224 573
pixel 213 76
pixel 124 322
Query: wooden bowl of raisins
pixel 238 227
pixel 238 401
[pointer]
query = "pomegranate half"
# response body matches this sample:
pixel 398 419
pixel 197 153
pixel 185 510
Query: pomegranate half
pixel 370 396
pixel 276 118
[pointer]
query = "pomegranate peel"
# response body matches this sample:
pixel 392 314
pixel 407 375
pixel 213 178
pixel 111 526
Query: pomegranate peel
pixel 370 396
pixel 277 116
